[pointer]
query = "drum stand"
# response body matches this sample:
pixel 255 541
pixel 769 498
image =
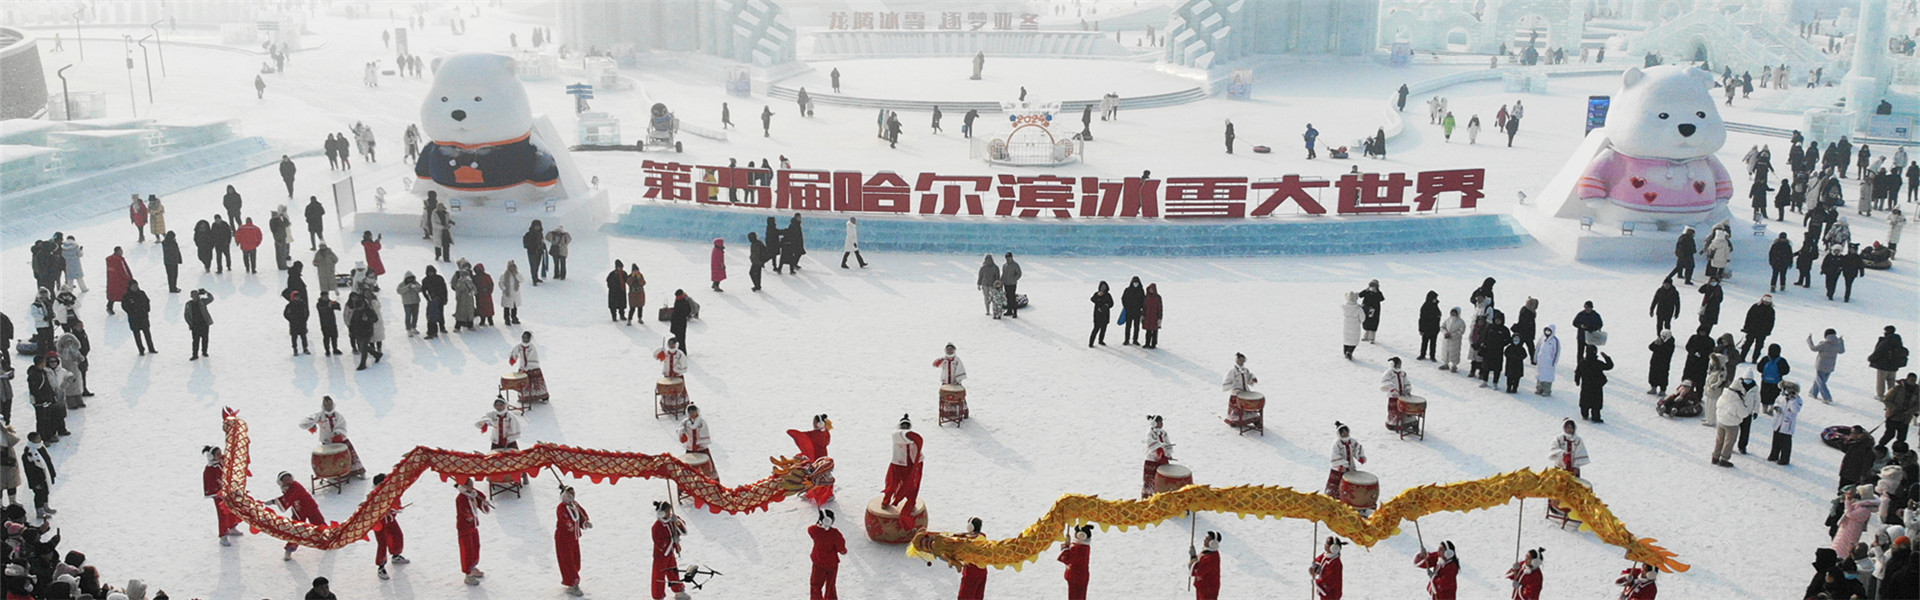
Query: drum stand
pixel 319 484
pixel 1561 515
pixel 511 486
pixel 1246 420
pixel 516 403
pixel 1412 425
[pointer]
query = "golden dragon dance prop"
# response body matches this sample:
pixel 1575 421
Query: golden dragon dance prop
pixel 791 476
pixel 1286 503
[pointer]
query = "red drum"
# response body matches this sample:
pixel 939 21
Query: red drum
pixel 1412 406
pixel 1360 489
pixel 701 463
pixel 953 404
pixel 1170 478
pixel 671 395
pixel 1246 411
pixel 332 461
pixel 514 382
pixel 883 522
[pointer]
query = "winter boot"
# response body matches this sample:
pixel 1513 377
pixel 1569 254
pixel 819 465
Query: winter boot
pixel 473 578
pixel 1546 388
pixel 574 590
pixel 383 573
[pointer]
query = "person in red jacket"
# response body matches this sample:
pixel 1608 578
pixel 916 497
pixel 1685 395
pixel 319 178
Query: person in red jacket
pixel 667 530
pixel 210 485
pixel 828 545
pixel 570 521
pixel 137 213
pixel 1075 554
pixel 973 578
pixel 371 245
pixel 1204 568
pixel 118 275
pixel 466 521
pixel 248 236
pixel 1326 570
pixel 388 539
pixel 299 506
pixel 1526 575
pixel 1442 570
pixel 1636 583
pixel 813 446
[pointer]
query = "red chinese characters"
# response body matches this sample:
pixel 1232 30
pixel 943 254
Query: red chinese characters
pixel 1373 193
pixel 954 192
pixel 1131 197
pixel 667 181
pixel 1033 195
pixel 1467 182
pixel 1206 198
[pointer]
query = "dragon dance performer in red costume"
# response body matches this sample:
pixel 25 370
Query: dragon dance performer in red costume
pixel 1075 554
pixel 1327 571
pixel 1204 568
pixel 667 530
pixel 299 506
pixel 210 485
pixel 903 473
pixel 973 578
pixel 466 521
pixel 388 539
pixel 813 446
pixel 570 522
pixel 828 545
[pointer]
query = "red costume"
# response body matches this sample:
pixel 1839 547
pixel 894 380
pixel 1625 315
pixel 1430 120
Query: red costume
pixel 973 582
pixel 1441 573
pixel 1637 584
pixel 137 212
pixel 117 277
pixel 374 264
pixel 247 235
pixel 1075 557
pixel 666 546
pixel 813 445
pixel 1526 582
pixel 1326 577
pixel 569 522
pixel 300 506
pixel 466 521
pixel 210 485
pixel 828 545
pixel 1205 572
pixel 388 539
pixel 903 475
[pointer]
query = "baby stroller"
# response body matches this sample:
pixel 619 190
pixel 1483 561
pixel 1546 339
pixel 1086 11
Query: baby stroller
pixel 661 129
pixel 1680 404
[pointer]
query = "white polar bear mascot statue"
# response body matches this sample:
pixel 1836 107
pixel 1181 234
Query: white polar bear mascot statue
pixel 1654 161
pixel 482 131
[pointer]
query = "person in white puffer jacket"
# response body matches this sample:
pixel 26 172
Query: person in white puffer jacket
pixel 1352 317
pixel 1736 403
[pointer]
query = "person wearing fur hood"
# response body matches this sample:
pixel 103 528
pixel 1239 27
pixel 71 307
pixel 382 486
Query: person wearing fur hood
pixel 1733 409
pixel 1547 357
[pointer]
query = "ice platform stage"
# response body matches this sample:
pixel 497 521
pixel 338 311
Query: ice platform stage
pixel 1304 236
pixel 919 84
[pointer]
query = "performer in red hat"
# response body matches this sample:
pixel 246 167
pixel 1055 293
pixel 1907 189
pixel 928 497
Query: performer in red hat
pixel 1526 575
pixel 388 539
pixel 466 521
pixel 299 506
pixel 1636 583
pixel 210 485
pixel 1204 568
pixel 1326 570
pixel 570 522
pixel 1159 453
pixel 1075 554
pixel 1442 569
pixel 903 473
pixel 813 446
pixel 828 545
pixel 667 530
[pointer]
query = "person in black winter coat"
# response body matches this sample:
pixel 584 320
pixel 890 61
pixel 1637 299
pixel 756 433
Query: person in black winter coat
pixel 170 257
pixel 1780 258
pixel 287 170
pixel 1585 323
pixel 617 290
pixel 1824 560
pixel 1430 327
pixel 1758 326
pixel 1493 346
pixel 1851 267
pixel 682 311
pixel 1889 355
pixel 199 321
pixel 793 245
pixel 757 258
pixel 1903 573
pixel 360 329
pixel 203 245
pixel 1102 312
pixel 296 280
pixel 1758 195
pixel 535 242
pixel 1523 326
pixel 296 314
pixel 316 221
pixel 1803 259
pixel 231 202
pixel 1781 201
pixel 1710 297
pixel 137 306
pixel 434 288
pixel 772 239
pixel 1133 304
pixel 1516 355
pixel 1370 300
pixel 222 245
pixel 49 413
pixel 323 311
pixel 40 473
pixel 1666 306
pixel 1660 364
pixel 1856 462
pixel 1683 251
pixel 1592 379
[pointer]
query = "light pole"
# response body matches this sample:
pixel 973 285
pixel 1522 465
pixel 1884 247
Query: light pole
pixel 131 99
pixel 66 100
pixel 146 63
pixel 79 44
pixel 155 26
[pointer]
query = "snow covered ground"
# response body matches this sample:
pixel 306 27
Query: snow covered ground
pixel 1050 415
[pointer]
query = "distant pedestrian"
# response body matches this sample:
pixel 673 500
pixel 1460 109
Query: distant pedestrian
pixel 766 121
pixel 1513 128
pixel 1133 304
pixel 316 222
pixel 1229 136
pixel 286 173
pixel 835 76
pixel 850 247
pixel 1310 136
pixel 1102 312
pixel 726 116
pixel 717 266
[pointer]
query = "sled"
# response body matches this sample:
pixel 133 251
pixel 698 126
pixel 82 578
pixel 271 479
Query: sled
pixel 26 348
pixel 1262 150
pixel 1836 435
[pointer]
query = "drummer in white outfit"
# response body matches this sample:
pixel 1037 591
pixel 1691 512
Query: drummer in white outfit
pixel 1239 379
pixel 1348 455
pixel 952 371
pixel 332 429
pixel 694 435
pixel 1394 382
pixel 501 426
pixel 1159 452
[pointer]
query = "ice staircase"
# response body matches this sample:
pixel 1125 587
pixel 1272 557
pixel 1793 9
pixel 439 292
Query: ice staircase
pixel 1746 41
pixel 34 210
pixel 1305 236
pixel 1193 94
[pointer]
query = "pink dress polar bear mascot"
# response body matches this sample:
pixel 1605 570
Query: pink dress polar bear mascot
pixel 1657 163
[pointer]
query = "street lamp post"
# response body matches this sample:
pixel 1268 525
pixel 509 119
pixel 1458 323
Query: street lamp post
pixel 155 26
pixel 78 43
pixel 147 64
pixel 131 99
pixel 66 100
